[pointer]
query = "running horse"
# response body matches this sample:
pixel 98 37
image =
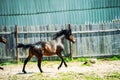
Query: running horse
pixel 2 40
pixel 53 47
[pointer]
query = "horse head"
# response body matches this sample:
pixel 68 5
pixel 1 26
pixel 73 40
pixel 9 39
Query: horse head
pixel 67 33
pixel 3 40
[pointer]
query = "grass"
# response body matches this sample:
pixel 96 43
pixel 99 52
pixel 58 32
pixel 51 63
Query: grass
pixel 113 76
pixel 116 57
pixel 67 76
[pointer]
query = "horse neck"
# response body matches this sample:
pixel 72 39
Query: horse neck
pixel 61 39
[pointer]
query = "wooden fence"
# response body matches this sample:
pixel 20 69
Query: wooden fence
pixel 91 39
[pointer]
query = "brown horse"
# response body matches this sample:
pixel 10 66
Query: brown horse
pixel 2 40
pixel 53 47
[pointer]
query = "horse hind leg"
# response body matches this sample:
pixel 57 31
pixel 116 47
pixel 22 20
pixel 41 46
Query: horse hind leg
pixel 1 68
pixel 25 62
pixel 39 62
pixel 39 66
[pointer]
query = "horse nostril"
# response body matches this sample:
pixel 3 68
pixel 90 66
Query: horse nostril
pixel 73 41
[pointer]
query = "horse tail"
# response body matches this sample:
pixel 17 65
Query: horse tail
pixel 25 46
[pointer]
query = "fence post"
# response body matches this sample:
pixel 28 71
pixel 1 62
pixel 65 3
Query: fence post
pixel 70 47
pixel 16 39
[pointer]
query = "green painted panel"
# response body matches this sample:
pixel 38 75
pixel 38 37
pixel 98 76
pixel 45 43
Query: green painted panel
pixel 40 12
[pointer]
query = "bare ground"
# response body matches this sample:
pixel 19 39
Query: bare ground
pixel 100 68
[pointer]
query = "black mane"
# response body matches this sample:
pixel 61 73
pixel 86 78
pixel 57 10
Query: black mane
pixel 62 32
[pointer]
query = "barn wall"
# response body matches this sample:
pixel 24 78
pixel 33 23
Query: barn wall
pixel 42 12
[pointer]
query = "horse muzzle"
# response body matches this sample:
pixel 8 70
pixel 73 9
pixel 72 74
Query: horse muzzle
pixel 4 41
pixel 74 41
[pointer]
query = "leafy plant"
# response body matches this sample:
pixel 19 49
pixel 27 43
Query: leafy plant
pixel 82 59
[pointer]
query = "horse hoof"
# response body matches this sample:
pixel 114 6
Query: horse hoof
pixel 1 68
pixel 66 66
pixel 24 72
pixel 58 68
pixel 41 71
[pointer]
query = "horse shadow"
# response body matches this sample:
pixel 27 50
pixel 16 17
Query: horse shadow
pixel 21 73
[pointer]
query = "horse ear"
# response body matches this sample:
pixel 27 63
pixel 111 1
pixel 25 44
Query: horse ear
pixel 69 28
pixel 70 31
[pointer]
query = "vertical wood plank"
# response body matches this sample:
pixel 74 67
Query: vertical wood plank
pixel 70 44
pixel 16 38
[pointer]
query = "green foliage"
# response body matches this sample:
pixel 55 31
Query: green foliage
pixel 6 63
pixel 68 59
pixel 81 59
pixel 117 57
pixel 114 58
pixel 10 63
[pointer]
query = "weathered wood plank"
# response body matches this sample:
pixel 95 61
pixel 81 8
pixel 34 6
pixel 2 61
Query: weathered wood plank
pixel 91 39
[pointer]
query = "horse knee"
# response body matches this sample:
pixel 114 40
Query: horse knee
pixel 26 60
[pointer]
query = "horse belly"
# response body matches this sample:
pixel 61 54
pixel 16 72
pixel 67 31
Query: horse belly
pixel 48 53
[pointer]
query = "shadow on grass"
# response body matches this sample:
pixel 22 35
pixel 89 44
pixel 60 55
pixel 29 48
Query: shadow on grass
pixel 25 73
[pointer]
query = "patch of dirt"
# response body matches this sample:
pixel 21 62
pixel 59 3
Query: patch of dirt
pixel 100 68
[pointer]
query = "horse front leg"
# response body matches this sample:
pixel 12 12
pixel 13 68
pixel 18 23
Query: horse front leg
pixel 59 54
pixel 60 64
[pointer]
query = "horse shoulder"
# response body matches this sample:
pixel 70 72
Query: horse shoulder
pixel 50 46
